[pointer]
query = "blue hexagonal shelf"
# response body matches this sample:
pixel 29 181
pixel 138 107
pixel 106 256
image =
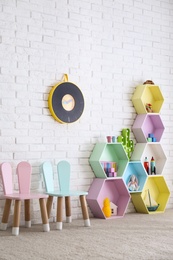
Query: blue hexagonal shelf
pixel 137 169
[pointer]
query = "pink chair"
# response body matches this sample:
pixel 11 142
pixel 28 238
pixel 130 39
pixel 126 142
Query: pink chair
pixel 24 179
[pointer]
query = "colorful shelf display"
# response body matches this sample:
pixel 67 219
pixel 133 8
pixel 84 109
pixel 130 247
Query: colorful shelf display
pixel 146 125
pixel 112 188
pixel 159 192
pixel 119 167
pixel 148 129
pixel 147 94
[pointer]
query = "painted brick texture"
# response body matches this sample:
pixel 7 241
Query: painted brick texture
pixel 107 48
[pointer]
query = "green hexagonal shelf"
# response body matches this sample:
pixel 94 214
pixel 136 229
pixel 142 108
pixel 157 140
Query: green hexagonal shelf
pixel 114 189
pixel 108 152
pixel 147 94
pixel 158 192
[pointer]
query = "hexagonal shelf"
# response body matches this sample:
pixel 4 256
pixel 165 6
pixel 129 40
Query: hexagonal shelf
pixel 145 94
pixel 137 169
pixel 111 152
pixel 148 150
pixel 146 124
pixel 159 192
pixel 114 189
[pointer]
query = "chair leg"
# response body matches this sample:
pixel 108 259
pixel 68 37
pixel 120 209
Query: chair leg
pixel 27 214
pixel 44 215
pixel 6 214
pixel 59 213
pixel 16 218
pixel 68 209
pixel 84 211
pixel 49 205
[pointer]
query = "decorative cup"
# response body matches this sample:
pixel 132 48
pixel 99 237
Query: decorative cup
pixel 109 139
pixel 113 139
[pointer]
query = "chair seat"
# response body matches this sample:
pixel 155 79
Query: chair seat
pixel 66 193
pixel 17 196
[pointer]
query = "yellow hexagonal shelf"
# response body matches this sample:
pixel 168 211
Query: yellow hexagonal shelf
pixel 154 197
pixel 147 94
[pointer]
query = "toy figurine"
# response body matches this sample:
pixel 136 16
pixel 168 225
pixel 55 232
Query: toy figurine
pixel 150 82
pixel 106 207
pixel 149 108
pixel 133 183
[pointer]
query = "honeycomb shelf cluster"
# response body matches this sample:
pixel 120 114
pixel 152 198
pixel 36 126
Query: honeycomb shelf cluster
pixel 147 100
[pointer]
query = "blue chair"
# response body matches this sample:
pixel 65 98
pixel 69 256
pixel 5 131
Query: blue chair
pixel 63 170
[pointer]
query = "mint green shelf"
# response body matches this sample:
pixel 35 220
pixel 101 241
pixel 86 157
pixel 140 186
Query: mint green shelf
pixel 111 152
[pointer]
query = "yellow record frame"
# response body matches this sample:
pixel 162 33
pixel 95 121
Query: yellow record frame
pixel 66 101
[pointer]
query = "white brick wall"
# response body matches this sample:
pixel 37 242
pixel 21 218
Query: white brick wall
pixel 106 48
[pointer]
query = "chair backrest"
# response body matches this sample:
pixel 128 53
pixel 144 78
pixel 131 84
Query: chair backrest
pixel 24 171
pixel 63 169
pixel 7 178
pixel 48 176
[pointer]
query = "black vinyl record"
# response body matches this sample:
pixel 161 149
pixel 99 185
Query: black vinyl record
pixel 66 102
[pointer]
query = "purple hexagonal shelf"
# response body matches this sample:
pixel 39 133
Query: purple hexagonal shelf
pixel 114 189
pixel 146 124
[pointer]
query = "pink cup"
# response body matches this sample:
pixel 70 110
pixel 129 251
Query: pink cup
pixel 109 138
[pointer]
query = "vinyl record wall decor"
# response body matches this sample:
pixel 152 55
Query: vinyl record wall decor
pixel 66 101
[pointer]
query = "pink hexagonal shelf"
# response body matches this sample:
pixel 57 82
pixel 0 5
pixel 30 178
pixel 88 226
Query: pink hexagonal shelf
pixel 114 189
pixel 146 124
